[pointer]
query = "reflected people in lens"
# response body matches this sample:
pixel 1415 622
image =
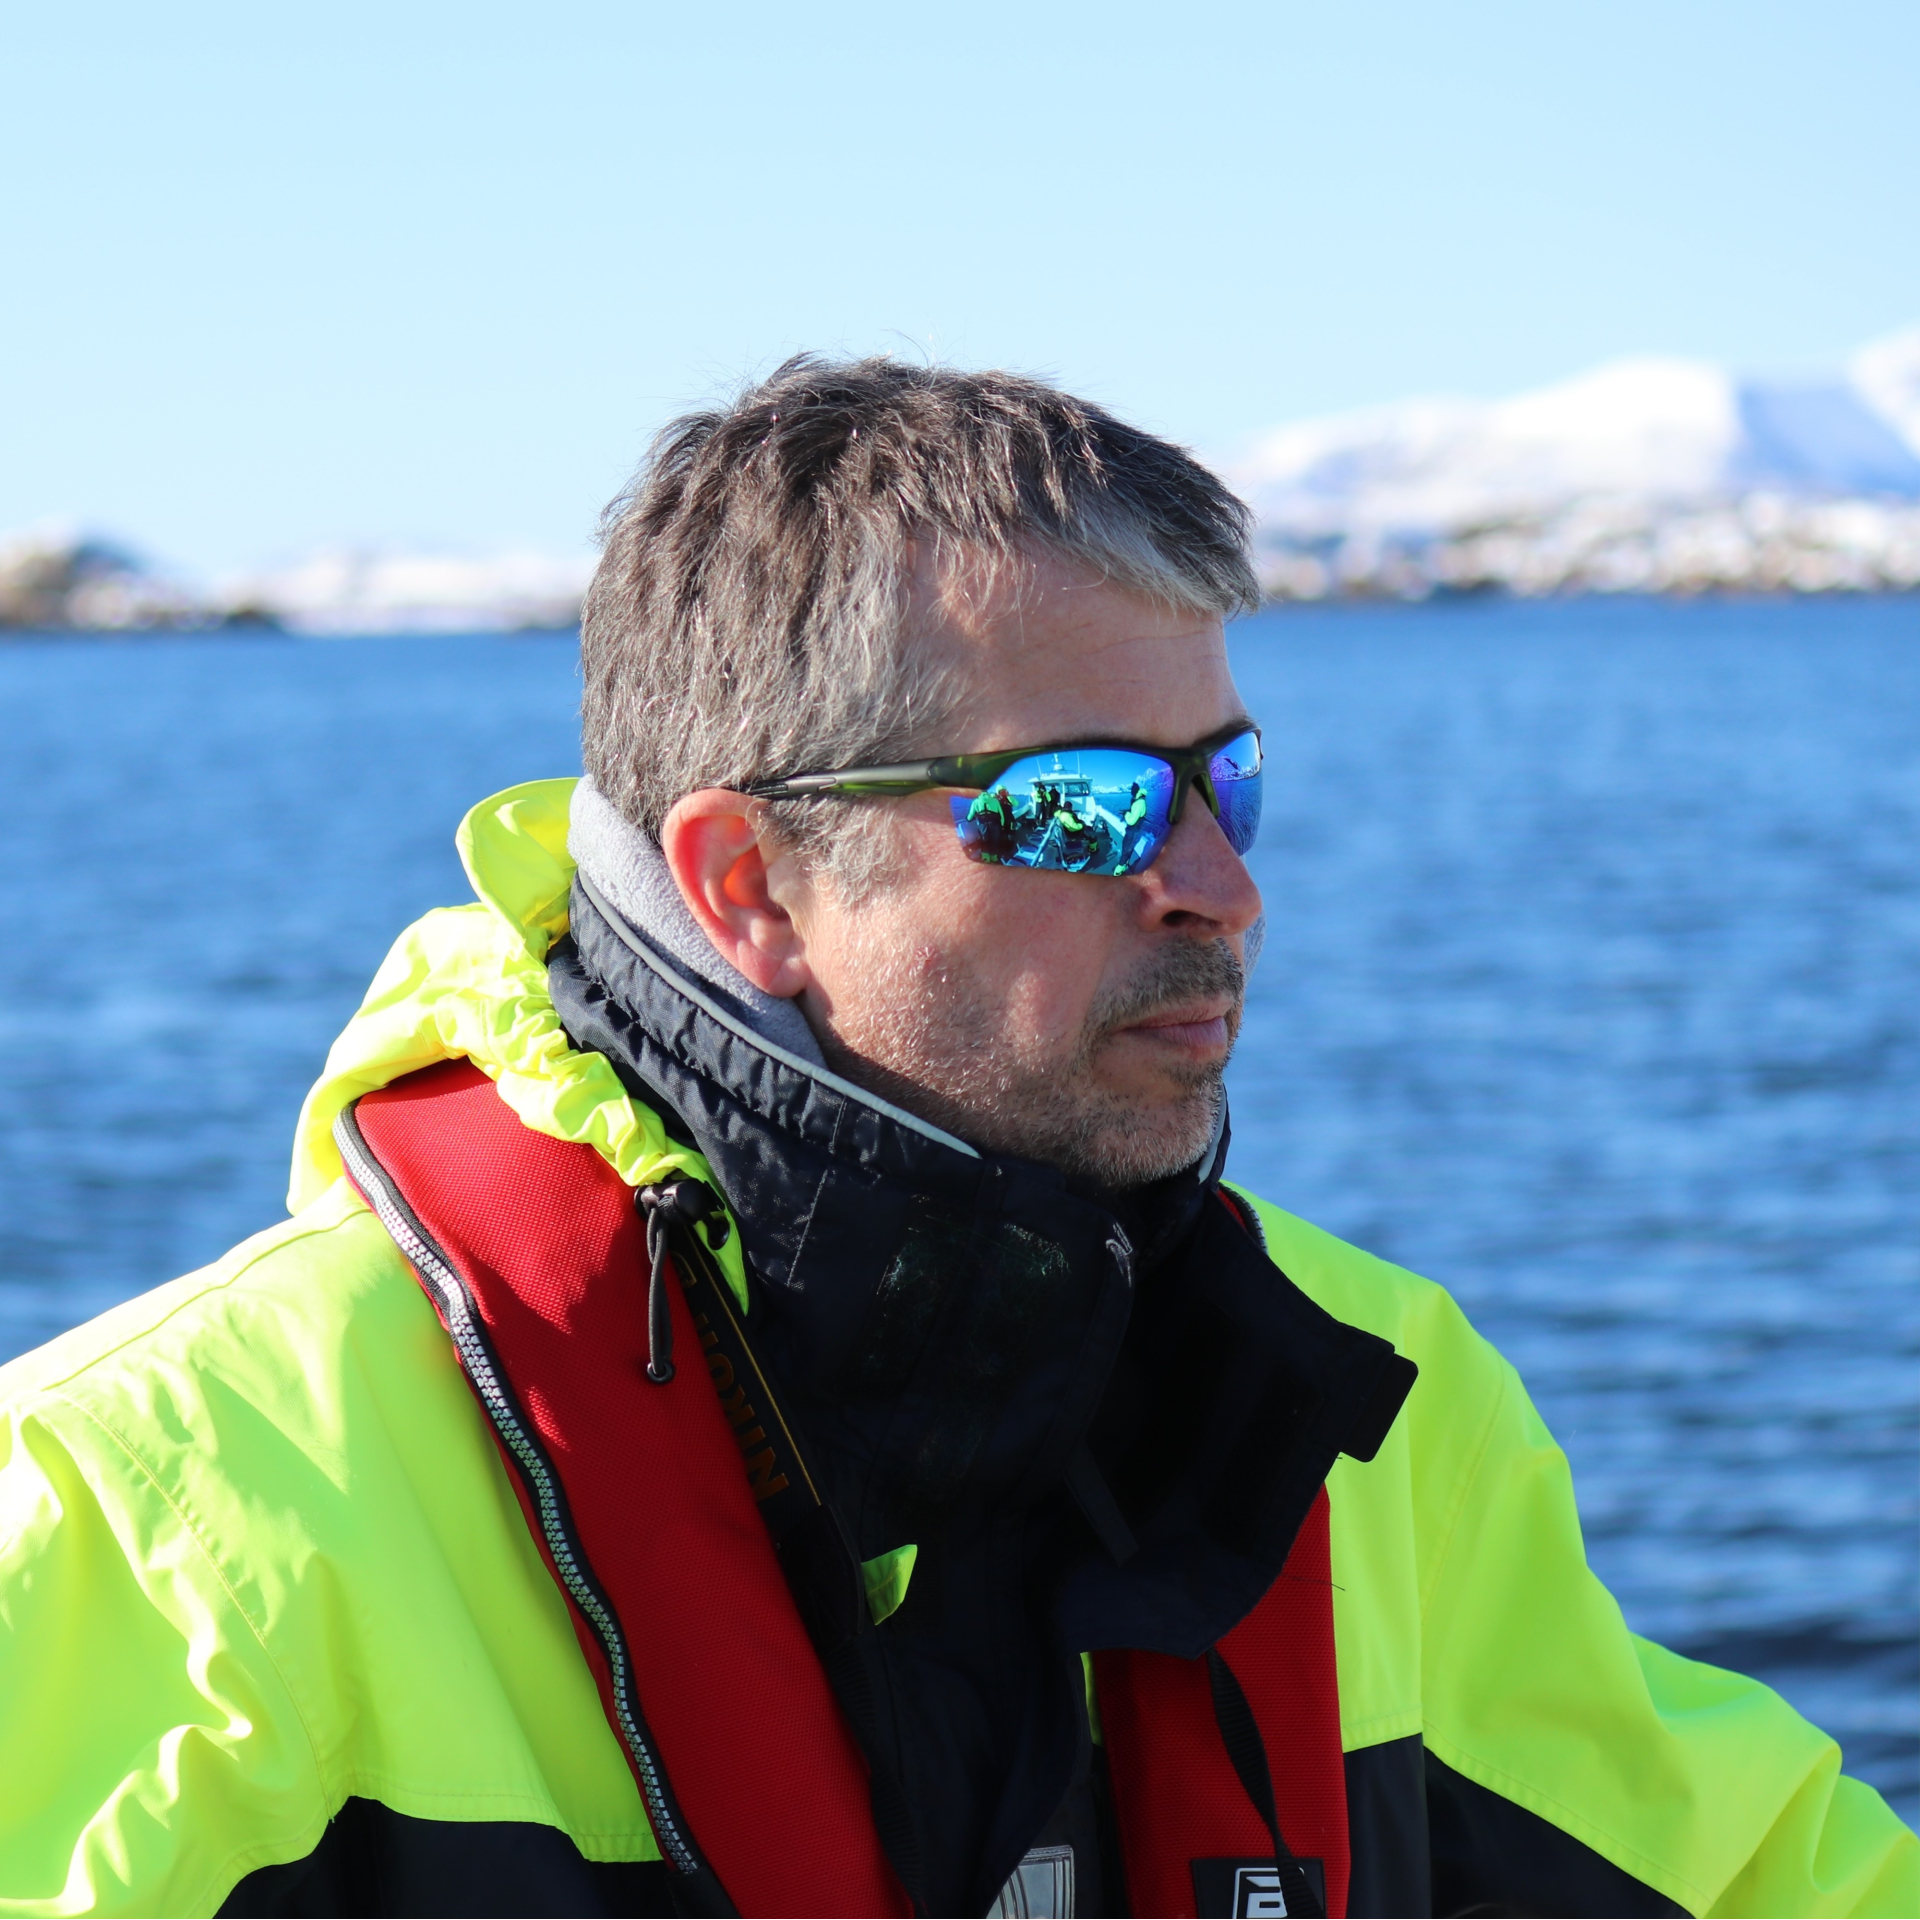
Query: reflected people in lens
pixel 1066 818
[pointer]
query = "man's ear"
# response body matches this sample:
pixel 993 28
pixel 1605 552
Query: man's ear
pixel 717 856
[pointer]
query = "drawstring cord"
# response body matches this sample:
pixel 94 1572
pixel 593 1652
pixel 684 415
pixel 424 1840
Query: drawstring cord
pixel 682 1204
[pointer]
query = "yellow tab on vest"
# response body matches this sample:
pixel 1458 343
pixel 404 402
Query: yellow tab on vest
pixel 887 1575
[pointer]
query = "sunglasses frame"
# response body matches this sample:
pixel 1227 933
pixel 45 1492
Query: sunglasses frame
pixel 976 772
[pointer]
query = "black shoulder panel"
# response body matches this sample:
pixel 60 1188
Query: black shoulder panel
pixel 1427 1840
pixel 372 1860
pixel 1493 1857
pixel 1387 1829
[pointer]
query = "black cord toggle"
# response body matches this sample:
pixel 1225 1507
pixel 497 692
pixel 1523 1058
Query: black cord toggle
pixel 683 1203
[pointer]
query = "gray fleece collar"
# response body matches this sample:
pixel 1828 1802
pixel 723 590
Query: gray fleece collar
pixel 629 872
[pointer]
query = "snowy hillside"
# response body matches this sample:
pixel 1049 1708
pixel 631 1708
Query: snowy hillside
pixel 1643 473
pixel 61 579
pixel 347 592
pixel 56 577
pixel 1642 476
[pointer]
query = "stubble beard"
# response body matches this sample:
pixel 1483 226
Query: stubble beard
pixel 923 1040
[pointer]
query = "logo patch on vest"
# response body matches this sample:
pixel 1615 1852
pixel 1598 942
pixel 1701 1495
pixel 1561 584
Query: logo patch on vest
pixel 764 1477
pixel 1240 1889
pixel 777 1476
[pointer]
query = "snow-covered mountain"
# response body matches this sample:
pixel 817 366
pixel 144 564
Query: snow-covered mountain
pixel 351 592
pixel 1886 375
pixel 1678 431
pixel 1643 475
pixel 1393 497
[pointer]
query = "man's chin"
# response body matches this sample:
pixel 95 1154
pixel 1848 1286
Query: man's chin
pixel 1117 1120
pixel 1122 1144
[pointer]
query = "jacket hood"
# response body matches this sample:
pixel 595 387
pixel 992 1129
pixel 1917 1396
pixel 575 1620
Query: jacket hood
pixel 470 983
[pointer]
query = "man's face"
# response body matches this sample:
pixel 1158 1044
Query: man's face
pixel 1079 1019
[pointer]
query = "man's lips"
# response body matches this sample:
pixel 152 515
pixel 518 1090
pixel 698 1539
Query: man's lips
pixel 1201 1025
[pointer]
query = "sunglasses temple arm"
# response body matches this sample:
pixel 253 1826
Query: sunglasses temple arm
pixel 908 779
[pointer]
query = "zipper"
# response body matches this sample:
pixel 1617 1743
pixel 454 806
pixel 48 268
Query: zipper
pixel 451 1296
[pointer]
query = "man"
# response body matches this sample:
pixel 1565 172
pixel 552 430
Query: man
pixel 992 817
pixel 765 1403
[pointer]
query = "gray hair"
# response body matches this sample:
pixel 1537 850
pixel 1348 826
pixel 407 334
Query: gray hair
pixel 748 618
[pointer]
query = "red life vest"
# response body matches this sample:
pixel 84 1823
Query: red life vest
pixel 755 1788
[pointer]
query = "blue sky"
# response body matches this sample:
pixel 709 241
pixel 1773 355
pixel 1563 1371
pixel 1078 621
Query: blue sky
pixel 421 273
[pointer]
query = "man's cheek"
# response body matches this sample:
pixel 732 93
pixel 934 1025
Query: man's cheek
pixel 1046 1006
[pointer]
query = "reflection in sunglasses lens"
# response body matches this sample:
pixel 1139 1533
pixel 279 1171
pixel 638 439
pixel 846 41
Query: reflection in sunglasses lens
pixel 1084 810
pixel 1100 809
pixel 1238 783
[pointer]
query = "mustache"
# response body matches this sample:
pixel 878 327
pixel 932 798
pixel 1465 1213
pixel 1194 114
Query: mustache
pixel 1190 970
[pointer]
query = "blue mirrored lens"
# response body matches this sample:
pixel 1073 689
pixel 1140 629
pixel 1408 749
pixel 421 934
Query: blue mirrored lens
pixel 1079 810
pixel 1238 782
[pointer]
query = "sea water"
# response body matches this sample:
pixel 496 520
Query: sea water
pixel 1591 988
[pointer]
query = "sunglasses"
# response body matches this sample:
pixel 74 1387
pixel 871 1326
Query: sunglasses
pixel 1093 809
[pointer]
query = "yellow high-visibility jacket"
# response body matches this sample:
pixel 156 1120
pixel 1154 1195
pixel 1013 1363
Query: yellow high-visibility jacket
pixel 261 1568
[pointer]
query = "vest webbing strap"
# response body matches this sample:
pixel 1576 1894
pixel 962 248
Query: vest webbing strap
pixel 1188 1804
pixel 1241 1735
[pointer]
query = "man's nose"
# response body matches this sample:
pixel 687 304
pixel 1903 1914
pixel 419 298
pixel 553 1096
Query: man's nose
pixel 1199 881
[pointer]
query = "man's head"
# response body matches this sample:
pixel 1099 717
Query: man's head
pixel 856 565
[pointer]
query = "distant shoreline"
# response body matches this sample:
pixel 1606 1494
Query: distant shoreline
pixel 1439 602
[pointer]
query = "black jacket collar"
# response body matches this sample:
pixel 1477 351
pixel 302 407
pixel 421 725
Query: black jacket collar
pixel 952 1332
